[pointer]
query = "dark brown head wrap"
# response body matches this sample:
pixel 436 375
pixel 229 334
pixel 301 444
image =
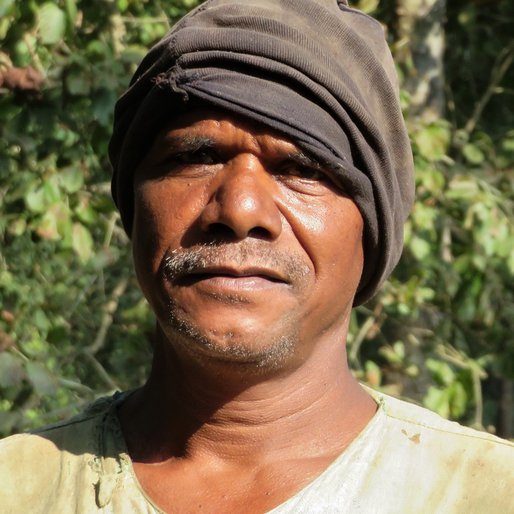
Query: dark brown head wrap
pixel 316 70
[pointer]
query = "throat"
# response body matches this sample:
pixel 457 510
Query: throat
pixel 207 486
pixel 194 450
pixel 266 422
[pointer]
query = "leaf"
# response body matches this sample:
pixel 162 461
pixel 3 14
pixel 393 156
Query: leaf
pixel 391 354
pixel 473 154
pixel 103 103
pixel 510 263
pixel 35 200
pixel 399 349
pixel 373 374
pixel 47 227
pixel 412 371
pixel 458 400
pixel 41 321
pixel 85 212
pixel 71 179
pixel 368 6
pixel 420 248
pixel 97 50
pixel 11 371
pixel 22 56
pixel 82 242
pixel 441 371
pixel 71 13
pixel 438 401
pixel 431 180
pixel 51 23
pixel 5 6
pixel 51 191
pixel 42 380
pixel 78 83
pixel 55 223
pixel 433 141
pixel 462 188
pixel 8 421
pixel 104 257
pixel 122 5
pixel 17 227
pixel 57 335
pixel 133 54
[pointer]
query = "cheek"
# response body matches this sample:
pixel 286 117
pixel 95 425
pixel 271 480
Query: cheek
pixel 163 212
pixel 330 232
pixel 340 271
pixel 345 253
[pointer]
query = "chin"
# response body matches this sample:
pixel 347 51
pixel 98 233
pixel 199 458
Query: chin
pixel 229 345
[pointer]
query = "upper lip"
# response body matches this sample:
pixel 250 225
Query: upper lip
pixel 237 271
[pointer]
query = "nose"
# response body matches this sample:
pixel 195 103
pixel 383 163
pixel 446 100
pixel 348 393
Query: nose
pixel 242 203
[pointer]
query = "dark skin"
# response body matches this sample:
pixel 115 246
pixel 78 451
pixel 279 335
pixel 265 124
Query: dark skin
pixel 250 256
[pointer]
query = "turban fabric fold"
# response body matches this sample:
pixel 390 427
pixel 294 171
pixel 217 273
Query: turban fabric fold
pixel 317 71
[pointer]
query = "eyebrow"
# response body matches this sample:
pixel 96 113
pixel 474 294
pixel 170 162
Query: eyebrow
pixel 187 143
pixel 192 143
pixel 305 160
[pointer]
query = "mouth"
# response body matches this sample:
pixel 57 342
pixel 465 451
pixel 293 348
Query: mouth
pixel 227 271
pixel 238 278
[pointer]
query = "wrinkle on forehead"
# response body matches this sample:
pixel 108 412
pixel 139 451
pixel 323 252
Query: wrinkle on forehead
pixel 216 128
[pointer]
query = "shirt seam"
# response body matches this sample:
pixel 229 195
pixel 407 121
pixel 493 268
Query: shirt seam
pixel 491 438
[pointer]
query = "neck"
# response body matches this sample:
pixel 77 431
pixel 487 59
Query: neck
pixel 186 411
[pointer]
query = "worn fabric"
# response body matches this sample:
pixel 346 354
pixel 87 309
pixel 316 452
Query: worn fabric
pixel 407 460
pixel 315 70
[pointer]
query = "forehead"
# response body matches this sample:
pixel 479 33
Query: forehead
pixel 223 128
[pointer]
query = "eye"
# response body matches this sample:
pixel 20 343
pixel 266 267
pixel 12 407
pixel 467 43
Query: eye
pixel 185 162
pixel 295 170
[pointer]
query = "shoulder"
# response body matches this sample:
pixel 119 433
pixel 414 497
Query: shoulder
pixel 71 435
pixel 407 414
pixel 33 466
pixel 442 462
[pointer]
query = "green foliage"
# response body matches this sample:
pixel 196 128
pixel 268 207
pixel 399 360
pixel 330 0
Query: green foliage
pixel 442 329
pixel 73 325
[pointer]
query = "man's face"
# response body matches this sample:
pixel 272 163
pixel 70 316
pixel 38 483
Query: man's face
pixel 244 247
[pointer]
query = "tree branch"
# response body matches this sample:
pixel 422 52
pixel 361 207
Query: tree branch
pixel 101 371
pixel 109 310
pixel 501 66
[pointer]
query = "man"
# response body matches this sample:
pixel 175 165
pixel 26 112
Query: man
pixel 263 172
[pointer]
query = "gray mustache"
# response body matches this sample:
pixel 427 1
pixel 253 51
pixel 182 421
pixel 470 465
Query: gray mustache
pixel 184 261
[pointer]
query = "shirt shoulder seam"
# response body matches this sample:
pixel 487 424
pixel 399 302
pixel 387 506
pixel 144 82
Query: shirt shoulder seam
pixel 490 438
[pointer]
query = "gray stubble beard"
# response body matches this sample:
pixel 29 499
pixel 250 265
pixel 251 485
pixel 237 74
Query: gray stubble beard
pixel 269 356
pixel 234 350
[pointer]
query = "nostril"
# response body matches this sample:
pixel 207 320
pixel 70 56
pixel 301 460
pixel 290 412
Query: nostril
pixel 221 231
pixel 259 233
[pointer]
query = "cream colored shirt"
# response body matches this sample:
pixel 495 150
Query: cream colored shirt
pixel 407 460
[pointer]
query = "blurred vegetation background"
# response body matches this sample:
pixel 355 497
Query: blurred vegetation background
pixel 73 325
